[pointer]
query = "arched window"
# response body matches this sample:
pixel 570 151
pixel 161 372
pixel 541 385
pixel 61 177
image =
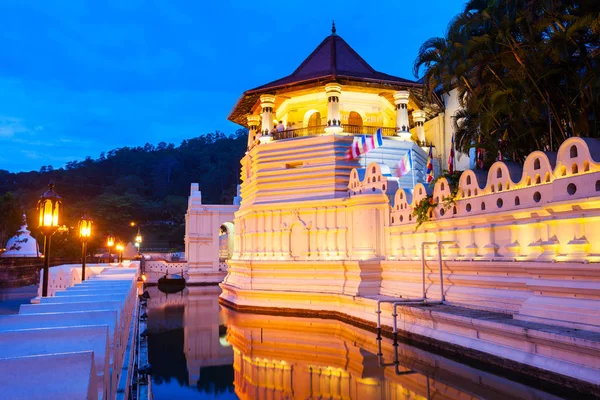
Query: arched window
pixel 573 151
pixel 313 123
pixel 574 168
pixel 536 164
pixel 374 169
pixel 355 123
pixel 468 180
pixel 517 201
pixel 499 173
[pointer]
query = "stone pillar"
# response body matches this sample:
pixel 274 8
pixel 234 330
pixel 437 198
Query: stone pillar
pixel 402 125
pixel 334 117
pixel 253 133
pixel 267 102
pixel 419 118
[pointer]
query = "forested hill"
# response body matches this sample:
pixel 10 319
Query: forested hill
pixel 147 184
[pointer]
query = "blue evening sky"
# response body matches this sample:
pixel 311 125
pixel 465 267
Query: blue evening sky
pixel 81 77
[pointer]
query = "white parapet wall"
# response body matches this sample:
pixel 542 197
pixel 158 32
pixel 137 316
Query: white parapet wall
pixel 92 318
pixel 521 241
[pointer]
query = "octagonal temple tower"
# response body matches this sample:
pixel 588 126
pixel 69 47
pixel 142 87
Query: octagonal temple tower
pixel 295 204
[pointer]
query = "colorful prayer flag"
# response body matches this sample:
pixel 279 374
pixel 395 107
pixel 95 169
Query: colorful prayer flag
pixel 451 157
pixel 405 164
pixel 430 165
pixel 363 144
pixel 479 157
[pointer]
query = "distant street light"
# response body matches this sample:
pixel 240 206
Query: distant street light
pixel 120 249
pixel 85 231
pixel 49 207
pixel 138 240
pixel 110 242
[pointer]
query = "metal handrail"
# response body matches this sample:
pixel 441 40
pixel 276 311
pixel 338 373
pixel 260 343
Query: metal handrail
pixel 417 301
pixel 319 129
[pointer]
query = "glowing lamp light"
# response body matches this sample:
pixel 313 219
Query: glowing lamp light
pixel 144 277
pixel 85 227
pixel 120 247
pixel 49 207
pixel 110 241
pixel 138 237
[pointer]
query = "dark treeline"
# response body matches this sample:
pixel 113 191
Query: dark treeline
pixel 148 184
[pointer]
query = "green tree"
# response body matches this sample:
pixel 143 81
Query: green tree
pixel 522 69
pixel 10 217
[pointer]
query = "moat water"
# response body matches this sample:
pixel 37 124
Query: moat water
pixel 201 350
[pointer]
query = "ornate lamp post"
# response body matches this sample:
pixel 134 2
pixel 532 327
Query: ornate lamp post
pixel 85 231
pixel 49 207
pixel 110 242
pixel 119 247
pixel 138 240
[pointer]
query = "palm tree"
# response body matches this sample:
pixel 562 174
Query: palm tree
pixel 526 73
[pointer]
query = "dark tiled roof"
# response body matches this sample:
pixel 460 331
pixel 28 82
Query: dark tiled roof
pixel 333 59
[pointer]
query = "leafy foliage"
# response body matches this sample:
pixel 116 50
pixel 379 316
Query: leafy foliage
pixel 521 68
pixel 10 217
pixel 423 209
pixel 148 184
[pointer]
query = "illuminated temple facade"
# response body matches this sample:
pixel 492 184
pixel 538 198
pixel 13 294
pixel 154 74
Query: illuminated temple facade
pixel 317 232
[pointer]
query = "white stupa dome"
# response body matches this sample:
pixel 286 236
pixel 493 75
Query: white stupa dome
pixel 22 244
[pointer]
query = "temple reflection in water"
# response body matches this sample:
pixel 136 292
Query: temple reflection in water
pixel 196 346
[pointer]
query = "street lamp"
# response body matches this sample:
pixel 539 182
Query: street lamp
pixel 85 231
pixel 49 207
pixel 120 249
pixel 138 240
pixel 110 242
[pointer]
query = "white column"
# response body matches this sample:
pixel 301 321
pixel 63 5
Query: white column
pixel 419 118
pixel 267 102
pixel 334 117
pixel 253 134
pixel 402 125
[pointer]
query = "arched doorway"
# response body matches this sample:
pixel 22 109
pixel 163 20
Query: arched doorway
pixel 226 237
pixel 355 123
pixel 313 123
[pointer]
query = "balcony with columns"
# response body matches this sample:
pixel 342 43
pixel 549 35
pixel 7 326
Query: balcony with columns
pixel 333 109
pixel 335 91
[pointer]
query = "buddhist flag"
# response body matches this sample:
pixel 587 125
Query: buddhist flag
pixel 451 157
pixel 364 144
pixel 355 149
pixel 405 164
pixel 479 157
pixel 430 164
pixel 372 142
